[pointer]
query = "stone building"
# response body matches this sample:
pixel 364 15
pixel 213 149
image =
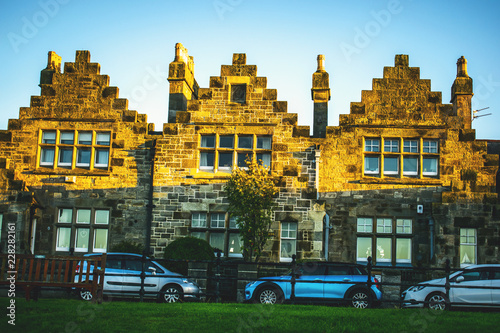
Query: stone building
pixel 402 178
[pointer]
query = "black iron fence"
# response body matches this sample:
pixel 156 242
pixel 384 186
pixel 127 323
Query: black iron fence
pixel 224 280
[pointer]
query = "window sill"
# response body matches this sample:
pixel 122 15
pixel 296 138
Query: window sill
pixel 71 172
pixel 401 181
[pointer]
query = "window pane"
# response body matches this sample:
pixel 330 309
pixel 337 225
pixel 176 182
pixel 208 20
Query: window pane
pixel 83 157
pixel 391 165
pixel 467 254
pixel 199 220
pixel 85 138
pixel 63 239
pixel 264 159
pixel 403 250
pixel 225 160
pixel 430 166
pixel 238 93
pixel 217 241
pixel 67 138
pixel 102 217
pixel 384 249
pixel 100 240
pixel 364 248
pixel 65 157
pixel 430 146
pixel 410 166
pixel 49 137
pixel 403 226
pixel 208 141
pixel 82 240
pixel 263 142
pixel 226 141
pixel 384 225
pixel 410 146
pixel 245 142
pixel 371 165
pixel 47 157
pixel 365 224
pixel 232 222
pixel 103 139
pixel 289 230
pixel 243 158
pixel 198 234
pixel 372 145
pixel 83 216
pixel 207 160
pixel 218 220
pixel 65 215
pixel 235 244
pixel 391 146
pixel 288 248
pixel 101 157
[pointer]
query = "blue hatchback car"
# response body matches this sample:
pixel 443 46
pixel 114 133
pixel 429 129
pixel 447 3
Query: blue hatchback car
pixel 318 282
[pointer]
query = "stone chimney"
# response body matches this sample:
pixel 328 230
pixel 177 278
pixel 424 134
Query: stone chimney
pixel 183 86
pixel 461 94
pixel 53 66
pixel 320 94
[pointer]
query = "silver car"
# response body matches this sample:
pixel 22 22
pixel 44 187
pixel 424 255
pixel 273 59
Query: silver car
pixel 122 277
pixel 472 286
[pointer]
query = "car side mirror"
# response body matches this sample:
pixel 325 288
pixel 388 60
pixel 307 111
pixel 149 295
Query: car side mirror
pixel 459 279
pixel 153 270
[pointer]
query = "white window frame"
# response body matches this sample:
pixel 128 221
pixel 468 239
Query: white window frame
pixel 391 172
pixel 287 237
pixel 372 145
pixel 70 219
pixel 372 172
pixel 430 147
pixel 384 225
pixel 363 257
pixel 391 145
pixel 364 224
pixel 430 173
pixel 410 146
pixel 216 221
pixel 470 235
pixel 200 218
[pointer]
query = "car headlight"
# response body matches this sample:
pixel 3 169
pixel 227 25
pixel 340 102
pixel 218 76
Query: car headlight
pixel 188 281
pixel 416 288
pixel 251 284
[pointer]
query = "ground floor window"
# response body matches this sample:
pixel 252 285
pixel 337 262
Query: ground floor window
pixel 288 246
pixel 468 246
pixel 387 240
pixel 82 230
pixel 220 230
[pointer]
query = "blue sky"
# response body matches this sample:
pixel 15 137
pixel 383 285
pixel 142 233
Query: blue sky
pixel 134 42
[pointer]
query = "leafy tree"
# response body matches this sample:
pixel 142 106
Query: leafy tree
pixel 250 192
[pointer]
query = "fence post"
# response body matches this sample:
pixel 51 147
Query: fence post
pixel 447 283
pixel 294 270
pixel 369 282
pixel 143 275
pixel 217 278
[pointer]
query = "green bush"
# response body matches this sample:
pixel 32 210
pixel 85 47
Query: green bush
pixel 128 246
pixel 187 248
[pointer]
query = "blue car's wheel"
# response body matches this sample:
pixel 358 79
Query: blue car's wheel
pixel 359 299
pixel 269 295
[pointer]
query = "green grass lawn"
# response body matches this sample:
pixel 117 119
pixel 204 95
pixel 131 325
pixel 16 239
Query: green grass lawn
pixel 68 315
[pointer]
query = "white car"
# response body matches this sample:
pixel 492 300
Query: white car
pixel 122 277
pixel 472 286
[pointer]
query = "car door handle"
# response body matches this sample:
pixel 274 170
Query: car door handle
pixel 346 280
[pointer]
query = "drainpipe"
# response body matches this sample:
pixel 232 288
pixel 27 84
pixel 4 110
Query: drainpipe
pixel 150 206
pixel 431 241
pixel 326 222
